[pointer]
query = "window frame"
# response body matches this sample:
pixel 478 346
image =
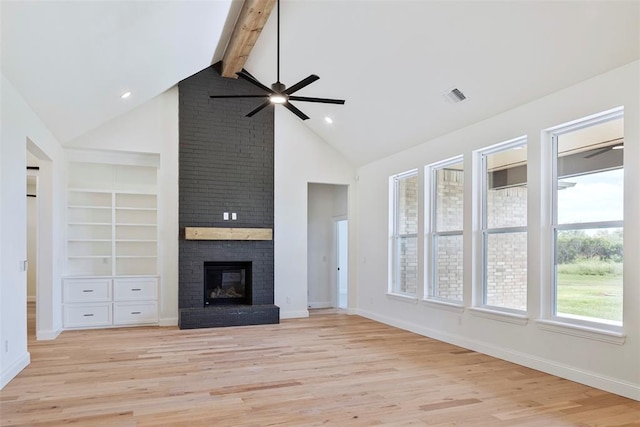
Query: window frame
pixel 432 234
pixel 396 236
pixel 485 231
pixel 551 313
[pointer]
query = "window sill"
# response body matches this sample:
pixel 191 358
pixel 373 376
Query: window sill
pixel 443 305
pixel 501 316
pixel 402 297
pixel 592 333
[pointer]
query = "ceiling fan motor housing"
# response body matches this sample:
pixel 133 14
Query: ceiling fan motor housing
pixel 278 87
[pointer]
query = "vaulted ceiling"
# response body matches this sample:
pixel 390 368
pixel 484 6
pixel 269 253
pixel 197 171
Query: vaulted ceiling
pixel 391 60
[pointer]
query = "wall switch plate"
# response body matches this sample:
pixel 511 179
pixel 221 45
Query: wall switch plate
pixel 234 216
pixel 225 216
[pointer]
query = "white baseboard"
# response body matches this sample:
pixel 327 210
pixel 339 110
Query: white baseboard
pixel 13 370
pixel 611 385
pixel 168 321
pixel 293 314
pixel 321 304
pixel 48 335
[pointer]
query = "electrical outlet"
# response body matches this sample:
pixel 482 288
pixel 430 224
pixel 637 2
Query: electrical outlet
pixel 234 216
pixel 288 300
pixel 225 216
pixel 6 346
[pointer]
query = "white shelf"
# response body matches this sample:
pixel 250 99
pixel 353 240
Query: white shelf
pixel 112 209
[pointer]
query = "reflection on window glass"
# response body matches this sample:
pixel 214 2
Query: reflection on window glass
pixel 506 274
pixel 405 229
pixel 588 221
pixel 505 196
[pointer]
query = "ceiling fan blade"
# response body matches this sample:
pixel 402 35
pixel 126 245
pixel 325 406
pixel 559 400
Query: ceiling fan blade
pixel 295 111
pixel 238 96
pixel 322 100
pixel 302 83
pixel 597 152
pixel 260 107
pixel 248 77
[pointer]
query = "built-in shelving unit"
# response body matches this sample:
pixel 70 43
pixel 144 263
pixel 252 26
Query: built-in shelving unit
pixel 112 235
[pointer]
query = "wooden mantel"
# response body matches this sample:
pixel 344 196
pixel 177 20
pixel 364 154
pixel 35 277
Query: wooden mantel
pixel 221 233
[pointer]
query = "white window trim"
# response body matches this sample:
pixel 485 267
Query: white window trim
pixel 500 314
pixel 592 329
pixel 443 304
pixel 596 333
pixel 402 297
pixel 480 307
pixel 431 234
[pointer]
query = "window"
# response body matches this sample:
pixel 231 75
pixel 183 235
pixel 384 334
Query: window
pixel 588 220
pixel 404 257
pixel 504 226
pixel 446 181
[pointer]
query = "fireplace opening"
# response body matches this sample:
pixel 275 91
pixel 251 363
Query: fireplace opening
pixel 227 283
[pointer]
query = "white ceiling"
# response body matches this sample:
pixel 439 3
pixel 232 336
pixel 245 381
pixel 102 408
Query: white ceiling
pixel 390 60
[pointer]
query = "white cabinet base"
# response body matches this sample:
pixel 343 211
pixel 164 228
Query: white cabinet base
pixel 100 302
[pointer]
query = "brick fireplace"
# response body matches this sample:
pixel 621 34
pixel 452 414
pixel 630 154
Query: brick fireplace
pixel 226 166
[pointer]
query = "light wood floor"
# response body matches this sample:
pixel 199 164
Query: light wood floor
pixel 330 369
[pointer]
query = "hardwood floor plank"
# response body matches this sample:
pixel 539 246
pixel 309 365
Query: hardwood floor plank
pixel 329 369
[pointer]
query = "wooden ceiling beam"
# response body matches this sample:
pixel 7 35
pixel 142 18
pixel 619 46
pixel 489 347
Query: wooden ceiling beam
pixel 253 17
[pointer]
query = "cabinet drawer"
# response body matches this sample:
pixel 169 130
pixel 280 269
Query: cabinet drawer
pixel 87 315
pixel 132 313
pixel 135 289
pixel 86 290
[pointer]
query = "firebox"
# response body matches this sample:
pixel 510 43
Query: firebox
pixel 227 282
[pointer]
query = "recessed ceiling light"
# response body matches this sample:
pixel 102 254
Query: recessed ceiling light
pixel 617 147
pixel 520 147
pixel 125 95
pixel 328 119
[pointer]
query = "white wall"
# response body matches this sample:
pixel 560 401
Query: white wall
pixel 301 157
pixel 151 128
pixel 601 364
pixel 21 127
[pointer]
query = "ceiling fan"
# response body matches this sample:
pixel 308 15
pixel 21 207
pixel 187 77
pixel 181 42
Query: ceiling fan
pixel 279 93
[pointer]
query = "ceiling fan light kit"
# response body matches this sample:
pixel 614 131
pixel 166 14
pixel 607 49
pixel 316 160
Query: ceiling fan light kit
pixel 279 93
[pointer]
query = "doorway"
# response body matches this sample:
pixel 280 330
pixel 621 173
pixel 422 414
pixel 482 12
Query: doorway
pixel 32 175
pixel 342 255
pixel 327 207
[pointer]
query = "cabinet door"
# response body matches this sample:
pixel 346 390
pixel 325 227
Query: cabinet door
pixel 135 289
pixel 86 290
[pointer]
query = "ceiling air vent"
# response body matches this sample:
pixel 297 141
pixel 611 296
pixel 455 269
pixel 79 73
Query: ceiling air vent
pixel 454 95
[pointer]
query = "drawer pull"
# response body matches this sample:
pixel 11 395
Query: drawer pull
pixel 87 290
pixel 88 315
pixel 136 289
pixel 136 312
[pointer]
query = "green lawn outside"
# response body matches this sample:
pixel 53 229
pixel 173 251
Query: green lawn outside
pixel 590 295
